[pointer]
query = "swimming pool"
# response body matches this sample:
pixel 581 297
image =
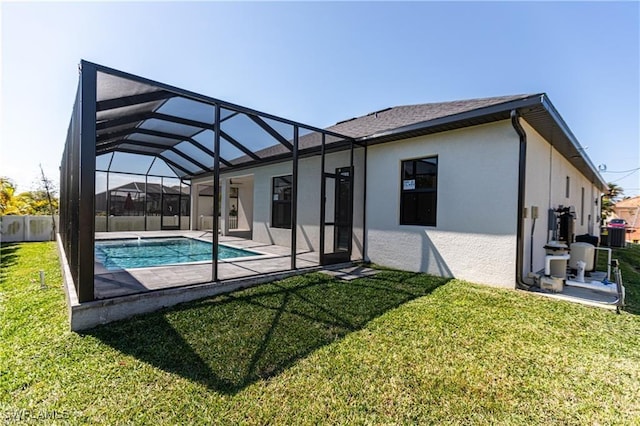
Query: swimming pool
pixel 146 252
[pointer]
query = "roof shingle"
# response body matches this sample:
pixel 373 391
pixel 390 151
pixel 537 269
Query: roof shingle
pixel 393 118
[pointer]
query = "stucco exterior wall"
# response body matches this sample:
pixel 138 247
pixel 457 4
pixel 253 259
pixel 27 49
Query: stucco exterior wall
pixel 475 235
pixel 245 205
pixel 262 193
pixel 204 205
pixel 308 229
pixel 547 172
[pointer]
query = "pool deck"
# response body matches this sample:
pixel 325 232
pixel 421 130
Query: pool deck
pixel 273 259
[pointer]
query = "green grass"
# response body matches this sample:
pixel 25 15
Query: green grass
pixel 393 348
pixel 630 266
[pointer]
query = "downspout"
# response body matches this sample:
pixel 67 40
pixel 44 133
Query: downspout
pixel 522 170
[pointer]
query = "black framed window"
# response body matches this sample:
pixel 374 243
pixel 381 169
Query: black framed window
pixel 281 202
pixel 419 191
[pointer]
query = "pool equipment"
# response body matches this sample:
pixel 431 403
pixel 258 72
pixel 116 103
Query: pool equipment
pixel 580 275
pixel 555 262
pixel 553 284
pixel 583 252
pixel 581 260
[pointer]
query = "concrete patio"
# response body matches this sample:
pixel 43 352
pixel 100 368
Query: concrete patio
pixel 272 259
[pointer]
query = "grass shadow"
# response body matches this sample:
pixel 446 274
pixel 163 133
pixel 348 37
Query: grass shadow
pixel 8 258
pixel 231 341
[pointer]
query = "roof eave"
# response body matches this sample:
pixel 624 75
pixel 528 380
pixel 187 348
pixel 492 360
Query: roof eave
pixel 531 104
pixel 579 149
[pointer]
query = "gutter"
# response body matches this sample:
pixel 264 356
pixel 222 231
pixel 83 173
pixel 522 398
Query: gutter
pixel 522 170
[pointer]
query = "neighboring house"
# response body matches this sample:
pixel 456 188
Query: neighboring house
pixel 137 198
pixel 142 206
pixel 470 189
pixel 629 210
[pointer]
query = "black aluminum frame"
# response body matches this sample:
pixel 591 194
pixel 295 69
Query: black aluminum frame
pixel 78 165
pixel 335 256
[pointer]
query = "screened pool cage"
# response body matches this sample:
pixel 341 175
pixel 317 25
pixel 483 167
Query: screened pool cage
pixel 142 156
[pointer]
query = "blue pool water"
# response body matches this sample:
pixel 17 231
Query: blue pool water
pixel 124 254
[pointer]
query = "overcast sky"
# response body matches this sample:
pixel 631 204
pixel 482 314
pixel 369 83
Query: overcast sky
pixel 320 63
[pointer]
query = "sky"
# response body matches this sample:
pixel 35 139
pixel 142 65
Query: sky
pixel 320 63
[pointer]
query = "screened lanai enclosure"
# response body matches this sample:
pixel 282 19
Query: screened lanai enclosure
pixel 163 188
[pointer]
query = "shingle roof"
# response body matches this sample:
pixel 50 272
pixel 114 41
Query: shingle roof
pixel 628 202
pixel 393 118
pixel 389 119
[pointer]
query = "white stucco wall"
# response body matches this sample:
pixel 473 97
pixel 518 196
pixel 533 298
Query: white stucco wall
pixel 474 238
pixel 308 234
pixel 262 230
pixel 205 206
pixel 547 171
pixel 245 205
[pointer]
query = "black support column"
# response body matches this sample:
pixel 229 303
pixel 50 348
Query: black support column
pixel 294 198
pixel 87 174
pixel 216 192
pixel 323 196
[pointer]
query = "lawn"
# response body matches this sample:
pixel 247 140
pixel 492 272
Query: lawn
pixel 394 348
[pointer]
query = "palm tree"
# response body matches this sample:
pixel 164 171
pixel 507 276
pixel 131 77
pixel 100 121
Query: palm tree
pixel 609 200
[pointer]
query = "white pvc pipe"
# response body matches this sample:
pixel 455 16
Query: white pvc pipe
pixel 549 258
pixel 608 261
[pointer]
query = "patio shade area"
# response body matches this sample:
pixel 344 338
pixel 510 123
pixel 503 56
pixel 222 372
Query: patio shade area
pixel 135 147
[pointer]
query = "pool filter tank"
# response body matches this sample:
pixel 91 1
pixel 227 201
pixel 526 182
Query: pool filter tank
pixel 582 252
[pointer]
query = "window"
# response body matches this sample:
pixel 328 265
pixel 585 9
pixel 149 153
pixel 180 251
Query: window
pixel 419 192
pixel 567 193
pixel 281 202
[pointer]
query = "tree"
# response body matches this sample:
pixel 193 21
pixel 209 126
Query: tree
pixel 9 202
pixel 609 200
pixel 37 202
pixel 49 190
